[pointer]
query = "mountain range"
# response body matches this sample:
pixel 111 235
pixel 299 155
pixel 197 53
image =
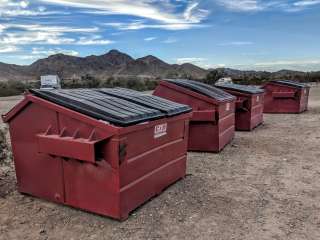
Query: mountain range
pixel 118 64
pixel 113 63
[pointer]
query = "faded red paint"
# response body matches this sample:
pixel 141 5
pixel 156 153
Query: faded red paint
pixel 70 158
pixel 285 99
pixel 212 126
pixel 249 109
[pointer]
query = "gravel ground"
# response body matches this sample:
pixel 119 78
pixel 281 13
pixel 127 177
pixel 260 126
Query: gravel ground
pixel 265 185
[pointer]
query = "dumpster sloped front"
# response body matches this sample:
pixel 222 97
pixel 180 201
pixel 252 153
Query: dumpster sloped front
pixel 284 96
pixel 95 151
pixel 249 105
pixel 212 126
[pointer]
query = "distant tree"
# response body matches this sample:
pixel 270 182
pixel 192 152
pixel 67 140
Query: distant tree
pixel 172 75
pixel 186 76
pixel 213 76
pixel 151 84
pixel 91 81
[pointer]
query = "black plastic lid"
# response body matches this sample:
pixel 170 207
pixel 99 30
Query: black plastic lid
pixel 240 88
pixel 102 106
pixel 291 83
pixel 167 107
pixel 204 89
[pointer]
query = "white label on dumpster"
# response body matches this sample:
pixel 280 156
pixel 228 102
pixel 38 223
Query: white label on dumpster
pixel 228 107
pixel 258 98
pixel 160 130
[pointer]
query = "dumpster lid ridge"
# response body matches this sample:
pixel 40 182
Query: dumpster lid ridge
pixel 241 88
pixel 102 106
pixel 202 88
pixel 291 83
pixel 165 106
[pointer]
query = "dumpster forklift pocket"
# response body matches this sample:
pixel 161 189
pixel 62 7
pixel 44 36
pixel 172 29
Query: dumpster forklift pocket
pixel 242 105
pixel 69 147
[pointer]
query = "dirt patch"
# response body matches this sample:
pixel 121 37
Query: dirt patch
pixel 265 185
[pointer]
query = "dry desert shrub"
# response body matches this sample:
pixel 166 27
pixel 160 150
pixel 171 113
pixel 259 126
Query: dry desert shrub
pixel 4 146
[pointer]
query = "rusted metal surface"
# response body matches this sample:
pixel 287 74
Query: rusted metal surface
pixel 213 124
pixel 68 157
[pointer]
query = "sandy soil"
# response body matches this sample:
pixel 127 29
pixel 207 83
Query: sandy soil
pixel 265 185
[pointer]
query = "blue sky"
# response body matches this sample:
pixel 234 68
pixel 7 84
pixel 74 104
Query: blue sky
pixel 242 34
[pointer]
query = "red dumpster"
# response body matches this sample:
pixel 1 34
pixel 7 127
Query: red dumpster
pixel 212 126
pixel 285 96
pixel 249 105
pixel 92 150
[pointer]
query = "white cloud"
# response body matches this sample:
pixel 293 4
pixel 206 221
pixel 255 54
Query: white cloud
pixel 306 3
pixel 198 61
pixel 26 57
pixel 26 38
pixel 193 14
pixel 260 5
pixel 42 52
pixel 219 65
pixel 94 40
pixel 52 29
pixel 236 43
pixel 190 60
pixel 2 28
pixel 10 8
pixel 287 62
pixel 24 34
pixel 24 4
pixel 276 65
pixel 8 49
pixel 137 25
pixel 163 12
pixel 141 8
pixel 148 39
pixel 170 40
pixel 241 5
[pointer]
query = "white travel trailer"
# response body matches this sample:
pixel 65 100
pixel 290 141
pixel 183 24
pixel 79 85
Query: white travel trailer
pixel 224 80
pixel 50 82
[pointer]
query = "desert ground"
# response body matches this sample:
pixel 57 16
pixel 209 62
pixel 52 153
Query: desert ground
pixel 264 185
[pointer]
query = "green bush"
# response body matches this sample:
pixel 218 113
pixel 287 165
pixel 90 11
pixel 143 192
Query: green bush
pixel 12 88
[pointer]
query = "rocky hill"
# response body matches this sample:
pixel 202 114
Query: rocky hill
pixel 113 63
pixel 117 64
pixel 256 77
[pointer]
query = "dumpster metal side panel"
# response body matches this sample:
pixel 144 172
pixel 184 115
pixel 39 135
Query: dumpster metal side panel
pixel 146 172
pixel 92 187
pixel 141 159
pixel 121 182
pixel 204 134
pixel 304 99
pixel 276 102
pixel 127 167
pixel 257 106
pixel 37 174
pixel 152 184
pixel 249 111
